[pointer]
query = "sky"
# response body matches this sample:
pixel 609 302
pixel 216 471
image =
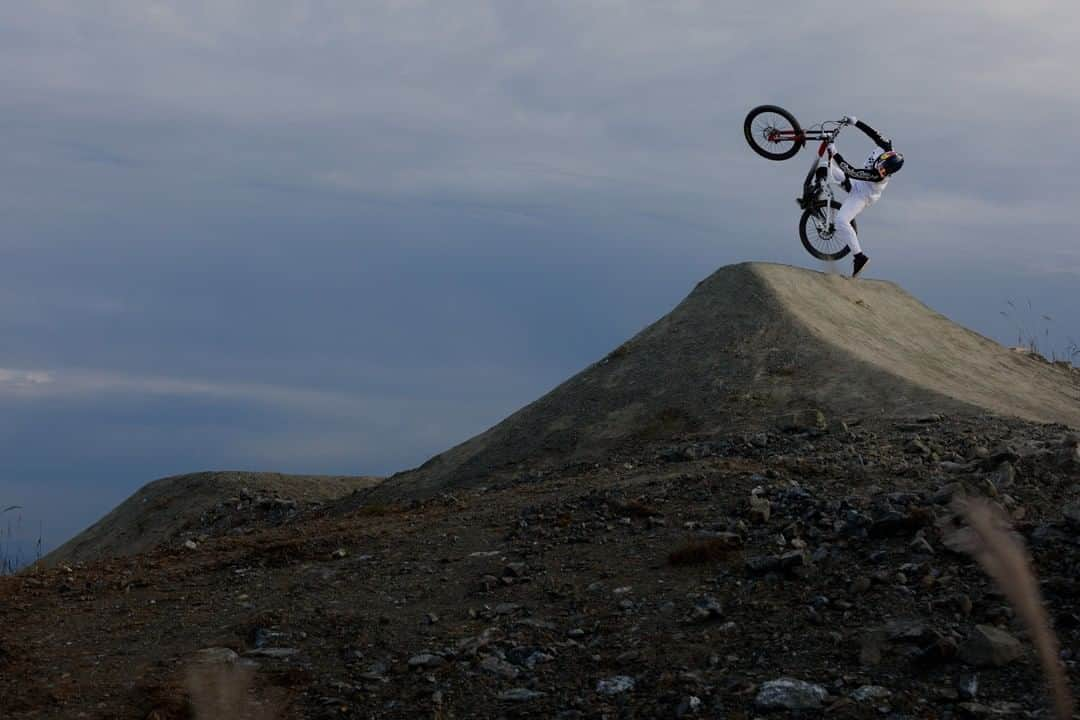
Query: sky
pixel 341 237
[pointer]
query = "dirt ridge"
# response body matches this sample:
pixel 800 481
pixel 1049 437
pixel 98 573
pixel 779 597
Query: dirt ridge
pixel 749 344
pixel 200 505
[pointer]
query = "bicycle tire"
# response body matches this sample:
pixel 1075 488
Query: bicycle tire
pixel 811 247
pixel 750 131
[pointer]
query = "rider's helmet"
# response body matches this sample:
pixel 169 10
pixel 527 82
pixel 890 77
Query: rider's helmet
pixel 889 161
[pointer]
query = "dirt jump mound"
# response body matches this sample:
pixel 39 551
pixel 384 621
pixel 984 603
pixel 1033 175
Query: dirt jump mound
pixel 750 344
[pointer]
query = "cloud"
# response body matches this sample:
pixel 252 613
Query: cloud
pixel 1063 262
pixel 49 383
pixel 379 406
pixel 953 208
pixel 492 102
pixel 23 380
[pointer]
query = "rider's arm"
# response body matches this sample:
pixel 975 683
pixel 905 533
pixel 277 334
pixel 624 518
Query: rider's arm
pixel 836 175
pixel 868 174
pixel 882 142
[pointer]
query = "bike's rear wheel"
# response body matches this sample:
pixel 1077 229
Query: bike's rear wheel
pixel 818 239
pixel 773 132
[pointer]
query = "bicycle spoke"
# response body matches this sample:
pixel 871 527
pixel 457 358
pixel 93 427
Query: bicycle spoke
pixel 825 241
pixel 763 131
pixel 772 132
pixel 767 122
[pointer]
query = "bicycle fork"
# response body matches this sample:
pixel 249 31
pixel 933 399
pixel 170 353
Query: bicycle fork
pixel 820 173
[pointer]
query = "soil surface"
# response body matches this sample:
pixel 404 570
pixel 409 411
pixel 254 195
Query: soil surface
pixel 698 575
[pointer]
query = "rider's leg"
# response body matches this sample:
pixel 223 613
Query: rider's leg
pixel 836 174
pixel 845 232
pixel 819 180
pixel 815 179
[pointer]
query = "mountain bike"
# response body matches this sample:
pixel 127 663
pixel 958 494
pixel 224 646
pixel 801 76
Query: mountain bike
pixel 774 133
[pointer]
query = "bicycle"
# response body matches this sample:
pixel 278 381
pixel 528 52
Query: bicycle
pixel 774 133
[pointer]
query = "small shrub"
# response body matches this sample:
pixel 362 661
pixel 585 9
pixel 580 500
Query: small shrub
pixel 378 510
pixel 634 508
pixel 667 423
pixel 702 552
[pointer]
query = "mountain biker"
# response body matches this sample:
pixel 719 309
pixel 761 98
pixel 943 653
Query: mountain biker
pixel 864 185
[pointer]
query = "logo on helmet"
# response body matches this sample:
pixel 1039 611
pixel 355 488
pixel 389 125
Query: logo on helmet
pixel 889 161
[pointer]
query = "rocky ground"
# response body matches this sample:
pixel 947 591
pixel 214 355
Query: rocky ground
pixel 806 569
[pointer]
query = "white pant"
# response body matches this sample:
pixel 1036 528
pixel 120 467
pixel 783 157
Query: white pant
pixel 862 196
pixel 854 204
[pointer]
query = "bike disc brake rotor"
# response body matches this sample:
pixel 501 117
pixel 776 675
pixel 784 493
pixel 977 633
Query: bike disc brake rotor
pixel 774 135
pixel 825 231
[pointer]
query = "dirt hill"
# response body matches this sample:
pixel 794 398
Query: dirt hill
pixel 707 560
pixel 201 505
pixel 750 344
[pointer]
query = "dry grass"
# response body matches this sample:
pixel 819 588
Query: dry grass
pixel 223 692
pixel 989 538
pixel 13 553
pixel 377 510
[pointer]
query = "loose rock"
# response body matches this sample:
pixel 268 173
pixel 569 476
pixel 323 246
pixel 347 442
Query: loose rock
pixel 519 695
pixel 990 646
pixel 215 656
pixel 615 685
pixel 499 667
pixel 790 694
pixel 870 693
pixel 426 660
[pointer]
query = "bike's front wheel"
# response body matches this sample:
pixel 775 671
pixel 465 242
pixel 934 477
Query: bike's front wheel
pixel 773 132
pixel 818 234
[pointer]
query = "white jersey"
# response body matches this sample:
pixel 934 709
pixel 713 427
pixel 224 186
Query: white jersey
pixel 867 189
pixel 866 183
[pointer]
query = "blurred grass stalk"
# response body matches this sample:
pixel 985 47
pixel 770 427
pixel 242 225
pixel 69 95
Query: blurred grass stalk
pixel 990 540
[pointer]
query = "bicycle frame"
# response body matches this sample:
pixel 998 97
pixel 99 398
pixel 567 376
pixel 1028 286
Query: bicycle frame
pixel 825 220
pixel 775 134
pixel 802 136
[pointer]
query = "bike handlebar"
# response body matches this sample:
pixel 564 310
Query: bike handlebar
pixel 824 129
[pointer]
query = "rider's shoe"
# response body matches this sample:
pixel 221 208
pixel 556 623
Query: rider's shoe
pixel 860 262
pixel 801 202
